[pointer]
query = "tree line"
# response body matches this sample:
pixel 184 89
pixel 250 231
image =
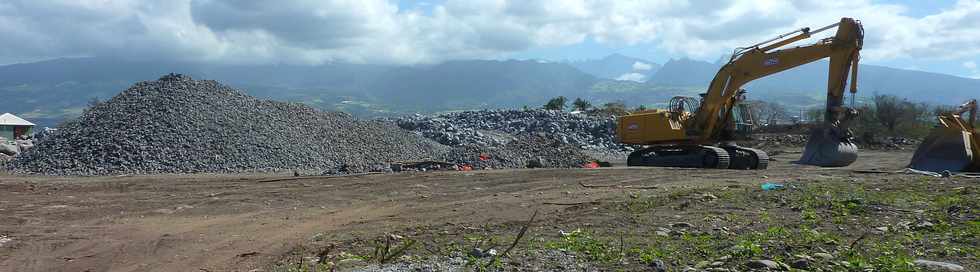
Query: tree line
pixel 615 108
pixel 882 116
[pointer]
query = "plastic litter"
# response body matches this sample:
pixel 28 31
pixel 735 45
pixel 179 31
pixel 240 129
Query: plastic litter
pixel 769 186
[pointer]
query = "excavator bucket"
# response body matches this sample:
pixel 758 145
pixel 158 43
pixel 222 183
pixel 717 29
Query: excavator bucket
pixel 976 151
pixel 828 147
pixel 947 149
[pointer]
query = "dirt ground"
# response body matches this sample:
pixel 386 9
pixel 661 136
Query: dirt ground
pixel 246 222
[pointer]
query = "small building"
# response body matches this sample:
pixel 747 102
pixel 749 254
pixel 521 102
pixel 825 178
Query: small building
pixel 11 126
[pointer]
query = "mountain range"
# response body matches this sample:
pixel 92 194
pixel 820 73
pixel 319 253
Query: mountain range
pixel 618 67
pixel 49 91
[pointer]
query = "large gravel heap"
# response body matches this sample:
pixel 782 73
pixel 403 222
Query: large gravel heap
pixel 594 136
pixel 180 125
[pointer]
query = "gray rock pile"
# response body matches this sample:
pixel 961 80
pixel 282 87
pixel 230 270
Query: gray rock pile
pixel 522 151
pixel 593 136
pixel 11 148
pixel 180 125
pixel 479 127
pixel 14 147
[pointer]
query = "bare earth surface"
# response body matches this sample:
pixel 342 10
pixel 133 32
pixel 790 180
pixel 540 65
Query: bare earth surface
pixel 245 222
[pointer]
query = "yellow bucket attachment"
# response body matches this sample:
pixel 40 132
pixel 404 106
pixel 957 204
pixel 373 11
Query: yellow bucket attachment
pixel 946 148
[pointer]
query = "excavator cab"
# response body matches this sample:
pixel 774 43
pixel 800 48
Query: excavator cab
pixel 953 145
pixel 742 120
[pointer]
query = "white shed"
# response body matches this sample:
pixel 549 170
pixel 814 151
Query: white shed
pixel 12 126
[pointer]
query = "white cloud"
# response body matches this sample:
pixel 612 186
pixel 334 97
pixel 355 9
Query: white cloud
pixel 633 77
pixel 376 31
pixel 971 67
pixel 642 66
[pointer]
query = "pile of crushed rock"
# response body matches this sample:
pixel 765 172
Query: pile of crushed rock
pixel 522 151
pixel 180 125
pixel 11 148
pixel 590 135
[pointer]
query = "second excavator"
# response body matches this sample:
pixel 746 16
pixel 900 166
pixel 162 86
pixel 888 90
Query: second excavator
pixel 700 133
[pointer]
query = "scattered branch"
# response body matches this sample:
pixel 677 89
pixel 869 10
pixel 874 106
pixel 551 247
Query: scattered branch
pixel 248 254
pixel 851 246
pixel 594 186
pixel 383 252
pixel 521 233
pixel 318 177
pixel 640 187
pixel 616 186
pixel 873 171
pixel 571 204
pixel 324 253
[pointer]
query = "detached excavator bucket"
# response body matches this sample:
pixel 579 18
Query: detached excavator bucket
pixel 946 148
pixel 828 147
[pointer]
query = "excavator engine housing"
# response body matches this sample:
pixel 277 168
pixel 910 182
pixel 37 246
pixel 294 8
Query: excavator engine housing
pixel 652 126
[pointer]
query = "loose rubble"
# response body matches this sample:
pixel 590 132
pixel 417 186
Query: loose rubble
pixel 16 146
pixel 523 151
pixel 493 129
pixel 928 265
pixel 10 149
pixel 180 125
pixel 543 260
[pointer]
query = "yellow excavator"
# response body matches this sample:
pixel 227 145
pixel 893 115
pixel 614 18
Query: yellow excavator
pixel 953 145
pixel 700 133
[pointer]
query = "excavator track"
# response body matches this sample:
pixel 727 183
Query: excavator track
pixel 685 156
pixel 747 158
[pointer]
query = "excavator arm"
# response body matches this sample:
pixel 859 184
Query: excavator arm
pixel 829 144
pixel 761 60
pixel 970 107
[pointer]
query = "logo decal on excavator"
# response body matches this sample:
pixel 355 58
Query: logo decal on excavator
pixel 770 62
pixel 633 127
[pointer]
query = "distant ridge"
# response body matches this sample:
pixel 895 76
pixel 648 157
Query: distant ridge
pixel 50 91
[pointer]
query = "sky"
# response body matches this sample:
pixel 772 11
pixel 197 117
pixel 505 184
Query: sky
pixel 936 36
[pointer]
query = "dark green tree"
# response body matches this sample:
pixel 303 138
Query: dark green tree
pixel 581 105
pixel 893 112
pixel 617 108
pixel 557 103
